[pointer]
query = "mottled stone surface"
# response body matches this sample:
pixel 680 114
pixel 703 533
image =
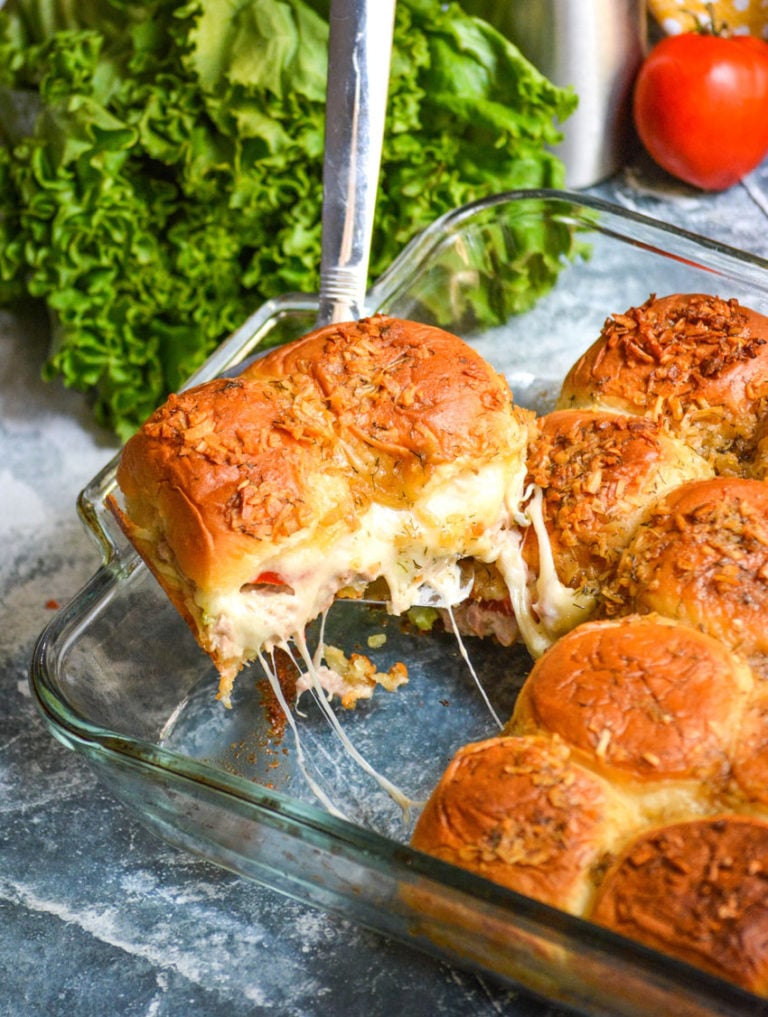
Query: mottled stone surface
pixel 99 916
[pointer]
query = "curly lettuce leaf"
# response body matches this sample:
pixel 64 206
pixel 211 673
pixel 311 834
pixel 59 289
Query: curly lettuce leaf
pixel 162 172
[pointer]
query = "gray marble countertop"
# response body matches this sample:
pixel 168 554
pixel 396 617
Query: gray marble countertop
pixel 98 916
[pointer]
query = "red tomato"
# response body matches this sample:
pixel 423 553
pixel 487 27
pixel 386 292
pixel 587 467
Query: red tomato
pixel 701 107
pixel 269 578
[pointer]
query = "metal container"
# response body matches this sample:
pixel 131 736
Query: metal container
pixel 596 47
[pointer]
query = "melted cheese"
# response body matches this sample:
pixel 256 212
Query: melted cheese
pixel 271 672
pixel 458 516
pixel 550 608
pixel 474 513
pixel 472 671
pixel 313 675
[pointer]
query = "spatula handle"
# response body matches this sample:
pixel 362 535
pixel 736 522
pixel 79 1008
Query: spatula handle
pixel 359 55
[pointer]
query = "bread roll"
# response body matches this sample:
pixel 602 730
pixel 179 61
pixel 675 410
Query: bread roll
pixel 523 813
pixel 376 449
pixel 598 473
pixel 697 362
pixel 653 705
pixel 702 558
pixel 697 891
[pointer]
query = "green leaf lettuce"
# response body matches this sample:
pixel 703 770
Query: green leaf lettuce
pixel 162 171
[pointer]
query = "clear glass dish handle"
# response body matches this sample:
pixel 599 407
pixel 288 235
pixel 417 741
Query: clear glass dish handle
pixel 359 56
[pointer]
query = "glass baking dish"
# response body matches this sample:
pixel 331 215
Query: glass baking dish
pixel 529 278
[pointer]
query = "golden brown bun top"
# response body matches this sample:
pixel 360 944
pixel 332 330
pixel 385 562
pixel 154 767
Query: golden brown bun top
pixel 520 812
pixel 644 698
pixel 696 890
pixel 598 472
pixel 405 397
pixel 229 466
pixel 702 558
pixel 307 437
pixel 671 357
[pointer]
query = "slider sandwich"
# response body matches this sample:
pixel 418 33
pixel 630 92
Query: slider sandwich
pixel 701 558
pixel 379 451
pixel 524 812
pixel 695 362
pixel 593 475
pixel 655 706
